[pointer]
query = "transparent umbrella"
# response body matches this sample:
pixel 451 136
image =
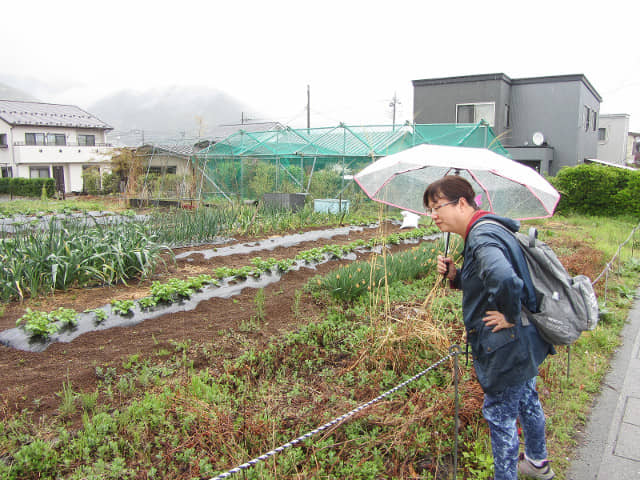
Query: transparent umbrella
pixel 503 186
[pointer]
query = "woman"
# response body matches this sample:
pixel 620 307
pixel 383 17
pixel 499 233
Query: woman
pixel 506 348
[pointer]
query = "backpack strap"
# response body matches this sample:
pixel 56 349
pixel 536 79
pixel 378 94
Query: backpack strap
pixel 533 232
pixel 533 235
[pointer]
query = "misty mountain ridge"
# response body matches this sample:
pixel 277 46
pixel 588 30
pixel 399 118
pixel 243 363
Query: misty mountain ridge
pixel 8 92
pixel 170 115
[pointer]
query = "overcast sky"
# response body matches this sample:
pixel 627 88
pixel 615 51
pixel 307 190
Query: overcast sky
pixel 354 54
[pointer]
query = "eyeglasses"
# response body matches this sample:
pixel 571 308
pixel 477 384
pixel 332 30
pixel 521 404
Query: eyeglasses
pixel 432 210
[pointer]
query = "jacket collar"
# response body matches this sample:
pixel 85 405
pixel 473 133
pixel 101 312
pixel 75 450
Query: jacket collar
pixel 476 216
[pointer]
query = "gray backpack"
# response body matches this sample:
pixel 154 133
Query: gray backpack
pixel 567 305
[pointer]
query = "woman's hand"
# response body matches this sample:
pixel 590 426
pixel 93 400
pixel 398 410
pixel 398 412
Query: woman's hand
pixel 496 320
pixel 446 266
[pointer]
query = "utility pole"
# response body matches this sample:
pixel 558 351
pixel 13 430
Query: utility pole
pixel 392 104
pixel 308 108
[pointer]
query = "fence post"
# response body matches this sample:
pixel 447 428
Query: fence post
pixel 455 350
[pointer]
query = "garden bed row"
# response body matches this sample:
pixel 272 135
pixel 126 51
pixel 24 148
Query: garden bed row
pixel 36 330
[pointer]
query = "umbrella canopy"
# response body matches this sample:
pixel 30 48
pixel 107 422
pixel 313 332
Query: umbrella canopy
pixel 503 186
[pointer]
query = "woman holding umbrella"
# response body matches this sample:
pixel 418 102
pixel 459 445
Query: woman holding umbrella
pixel 495 282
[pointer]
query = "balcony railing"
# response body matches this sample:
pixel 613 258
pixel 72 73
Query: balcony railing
pixel 68 144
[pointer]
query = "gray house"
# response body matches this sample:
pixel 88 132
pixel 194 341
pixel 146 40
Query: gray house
pixel 544 122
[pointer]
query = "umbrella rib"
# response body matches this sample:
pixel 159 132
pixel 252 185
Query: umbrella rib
pixel 484 189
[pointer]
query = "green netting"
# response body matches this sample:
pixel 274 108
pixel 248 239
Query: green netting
pixel 287 159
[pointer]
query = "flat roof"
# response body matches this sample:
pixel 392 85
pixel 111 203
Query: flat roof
pixel 462 79
pixel 579 77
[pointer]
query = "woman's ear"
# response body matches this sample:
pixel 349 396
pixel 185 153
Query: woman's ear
pixel 463 202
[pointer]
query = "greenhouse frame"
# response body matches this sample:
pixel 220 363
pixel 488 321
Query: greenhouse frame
pixel 296 154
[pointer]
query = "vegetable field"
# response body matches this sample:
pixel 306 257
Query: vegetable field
pixel 190 393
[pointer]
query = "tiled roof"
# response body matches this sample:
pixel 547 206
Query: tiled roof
pixel 48 114
pixel 182 150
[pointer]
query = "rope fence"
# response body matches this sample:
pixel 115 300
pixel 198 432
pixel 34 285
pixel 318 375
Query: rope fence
pixel 615 256
pixel 609 265
pixel 454 351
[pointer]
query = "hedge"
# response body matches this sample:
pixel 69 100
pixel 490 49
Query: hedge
pixel 27 187
pixel 591 189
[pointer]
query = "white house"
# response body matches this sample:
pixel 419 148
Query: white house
pixel 613 132
pixel 49 140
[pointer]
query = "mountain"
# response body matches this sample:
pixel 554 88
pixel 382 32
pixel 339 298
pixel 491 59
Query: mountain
pixel 169 115
pixel 10 93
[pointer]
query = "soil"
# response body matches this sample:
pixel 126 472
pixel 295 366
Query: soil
pixel 30 380
pixel 34 380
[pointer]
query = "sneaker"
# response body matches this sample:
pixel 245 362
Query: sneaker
pixel 529 470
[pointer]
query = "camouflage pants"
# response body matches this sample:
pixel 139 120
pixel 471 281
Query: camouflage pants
pixel 502 410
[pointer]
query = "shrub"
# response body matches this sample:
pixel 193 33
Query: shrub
pixel 27 187
pixel 597 190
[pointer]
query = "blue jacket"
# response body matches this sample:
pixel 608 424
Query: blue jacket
pixel 495 276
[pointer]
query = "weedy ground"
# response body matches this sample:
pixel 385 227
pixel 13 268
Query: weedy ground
pixel 194 394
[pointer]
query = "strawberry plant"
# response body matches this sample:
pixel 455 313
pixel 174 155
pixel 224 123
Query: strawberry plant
pixel 334 251
pixel 38 324
pixel 196 283
pixel 285 265
pixel 181 288
pixel 264 265
pixel 122 307
pixel 162 292
pixel 101 315
pixel 224 272
pixel 147 302
pixel 66 316
pixel 244 272
pixel 311 256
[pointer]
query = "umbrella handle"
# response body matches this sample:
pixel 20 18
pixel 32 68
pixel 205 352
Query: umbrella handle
pixel 446 252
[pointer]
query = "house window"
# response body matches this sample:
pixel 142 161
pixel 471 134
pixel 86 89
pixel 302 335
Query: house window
pixel 595 120
pixel 474 112
pixel 171 170
pixel 602 134
pixel 507 116
pixel 87 140
pixel 56 139
pixel 38 172
pixel 7 172
pixel 34 138
pixel 587 116
pixel 3 140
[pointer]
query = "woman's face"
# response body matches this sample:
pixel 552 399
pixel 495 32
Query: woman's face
pixel 443 212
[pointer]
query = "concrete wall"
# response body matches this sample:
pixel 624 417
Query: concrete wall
pixel 71 157
pixel 435 102
pixel 613 148
pixel 6 154
pixel 540 158
pixel 551 109
pixel 553 106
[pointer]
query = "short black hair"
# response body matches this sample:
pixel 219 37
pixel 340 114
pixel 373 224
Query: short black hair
pixel 450 187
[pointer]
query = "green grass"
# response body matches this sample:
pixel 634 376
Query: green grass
pixel 34 207
pixel 164 418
